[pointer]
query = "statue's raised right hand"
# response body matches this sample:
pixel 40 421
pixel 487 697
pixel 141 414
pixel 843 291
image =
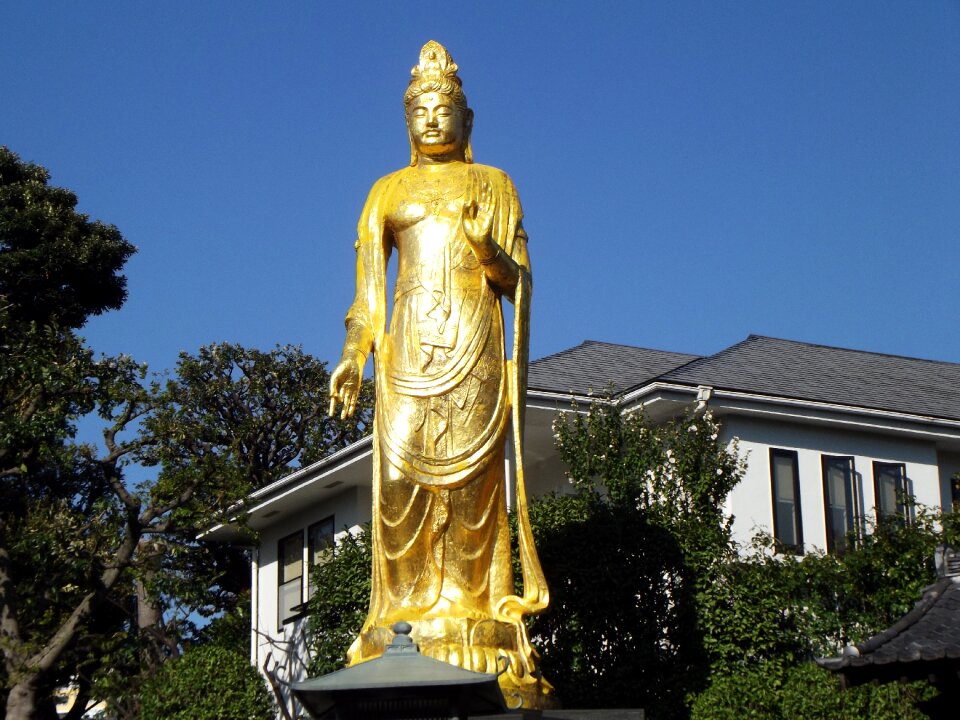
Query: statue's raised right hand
pixel 345 387
pixel 477 221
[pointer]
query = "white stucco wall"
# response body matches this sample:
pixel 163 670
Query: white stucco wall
pixel 751 502
pixel 285 643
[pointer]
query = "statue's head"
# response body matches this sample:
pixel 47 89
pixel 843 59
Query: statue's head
pixel 438 119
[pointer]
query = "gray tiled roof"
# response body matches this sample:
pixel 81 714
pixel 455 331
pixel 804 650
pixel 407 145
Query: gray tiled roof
pixel 766 366
pixel 793 369
pixel 929 633
pixel 593 366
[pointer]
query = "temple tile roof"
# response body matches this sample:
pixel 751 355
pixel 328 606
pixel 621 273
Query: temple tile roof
pixel 765 366
pixel 592 367
pixel 922 643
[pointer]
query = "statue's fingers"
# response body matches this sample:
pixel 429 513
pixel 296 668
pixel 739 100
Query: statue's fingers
pixel 344 402
pixel 333 405
pixel 472 188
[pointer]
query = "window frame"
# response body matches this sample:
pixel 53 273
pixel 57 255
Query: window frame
pixel 283 582
pixel 852 510
pixel 902 511
pixel 797 547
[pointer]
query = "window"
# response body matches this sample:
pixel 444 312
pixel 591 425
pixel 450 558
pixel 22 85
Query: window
pixel 955 493
pixel 890 490
pixel 785 484
pixel 840 501
pixel 319 542
pixel 290 589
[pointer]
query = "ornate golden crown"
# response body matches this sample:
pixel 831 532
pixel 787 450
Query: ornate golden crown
pixel 436 72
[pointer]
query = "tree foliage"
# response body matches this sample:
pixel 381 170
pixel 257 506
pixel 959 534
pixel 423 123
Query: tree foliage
pixel 100 574
pixel 639 539
pixel 340 589
pixel 208 682
pixel 57 267
pixel 58 518
pixel 771 691
pixel 769 615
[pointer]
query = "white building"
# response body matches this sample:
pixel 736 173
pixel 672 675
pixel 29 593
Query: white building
pixel 833 436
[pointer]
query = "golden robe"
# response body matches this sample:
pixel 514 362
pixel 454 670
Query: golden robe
pixel 446 394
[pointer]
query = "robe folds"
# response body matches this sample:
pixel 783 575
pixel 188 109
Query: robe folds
pixel 447 396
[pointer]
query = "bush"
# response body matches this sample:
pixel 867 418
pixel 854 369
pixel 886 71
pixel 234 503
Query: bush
pixel 207 683
pixel 628 555
pixel 772 690
pixel 339 603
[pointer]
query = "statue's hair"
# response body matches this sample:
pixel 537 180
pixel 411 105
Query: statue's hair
pixel 444 86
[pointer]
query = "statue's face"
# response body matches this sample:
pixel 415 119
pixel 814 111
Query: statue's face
pixel 438 127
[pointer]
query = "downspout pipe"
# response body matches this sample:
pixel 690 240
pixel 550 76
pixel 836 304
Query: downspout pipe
pixel 704 393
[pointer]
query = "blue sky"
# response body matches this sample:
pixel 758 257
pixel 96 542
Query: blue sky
pixel 691 172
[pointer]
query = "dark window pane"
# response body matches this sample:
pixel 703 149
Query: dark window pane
pixel 890 488
pixel 839 500
pixel 786 524
pixel 291 557
pixel 320 540
pixel 290 575
pixel 785 483
pixel 319 543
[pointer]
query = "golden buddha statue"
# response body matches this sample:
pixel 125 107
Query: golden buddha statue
pixel 446 396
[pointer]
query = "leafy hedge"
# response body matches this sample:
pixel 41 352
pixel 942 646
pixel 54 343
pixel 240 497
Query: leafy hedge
pixel 771 690
pixel 208 682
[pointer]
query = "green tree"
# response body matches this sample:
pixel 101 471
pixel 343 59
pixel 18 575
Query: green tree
pixel 629 554
pixel 209 682
pixel 56 269
pixel 240 415
pixel 78 537
pixel 769 615
pixel 245 417
pixel 339 601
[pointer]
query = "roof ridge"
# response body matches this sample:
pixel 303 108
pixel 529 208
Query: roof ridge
pixel 636 347
pixel 875 353
pixel 703 359
pixel 563 352
pixel 604 343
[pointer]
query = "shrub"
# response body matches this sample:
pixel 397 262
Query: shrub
pixel 208 682
pixel 339 603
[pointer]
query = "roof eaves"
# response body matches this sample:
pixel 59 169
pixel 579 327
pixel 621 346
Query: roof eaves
pixel 718 393
pixel 310 470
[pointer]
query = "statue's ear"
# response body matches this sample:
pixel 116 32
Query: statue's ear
pixel 413 148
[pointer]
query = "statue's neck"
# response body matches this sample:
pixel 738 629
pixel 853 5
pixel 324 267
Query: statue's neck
pixel 436 160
